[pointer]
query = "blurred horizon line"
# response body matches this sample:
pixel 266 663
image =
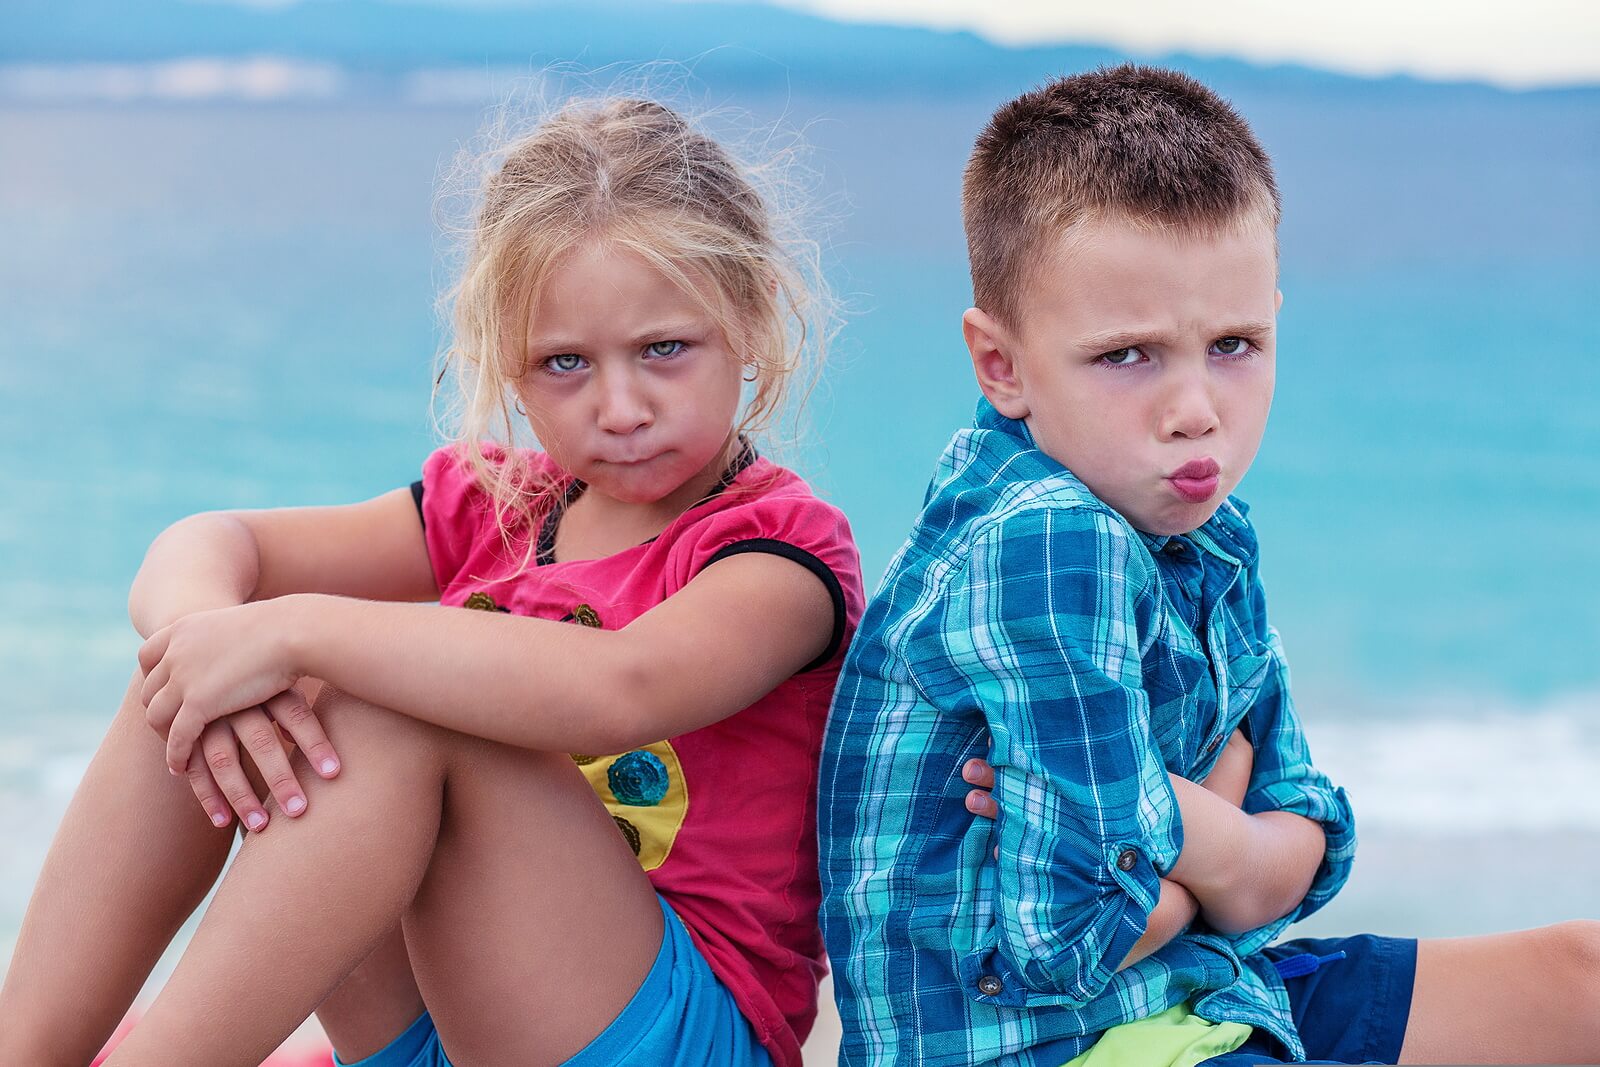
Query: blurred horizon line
pixel 183 51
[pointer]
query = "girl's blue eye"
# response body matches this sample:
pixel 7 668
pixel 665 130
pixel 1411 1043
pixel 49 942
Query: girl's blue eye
pixel 565 363
pixel 1122 357
pixel 1232 346
pixel 665 348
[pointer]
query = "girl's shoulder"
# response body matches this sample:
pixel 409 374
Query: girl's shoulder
pixel 496 500
pixel 450 470
pixel 765 508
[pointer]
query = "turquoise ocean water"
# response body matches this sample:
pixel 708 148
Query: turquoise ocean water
pixel 227 305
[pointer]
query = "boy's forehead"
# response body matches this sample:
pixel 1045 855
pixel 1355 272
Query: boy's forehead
pixel 1110 272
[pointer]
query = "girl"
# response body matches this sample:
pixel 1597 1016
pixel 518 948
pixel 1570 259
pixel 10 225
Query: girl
pixel 574 824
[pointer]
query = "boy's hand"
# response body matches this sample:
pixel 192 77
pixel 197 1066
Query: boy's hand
pixel 217 775
pixel 1230 775
pixel 977 772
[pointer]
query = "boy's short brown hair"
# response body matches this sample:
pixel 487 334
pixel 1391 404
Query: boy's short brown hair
pixel 1142 144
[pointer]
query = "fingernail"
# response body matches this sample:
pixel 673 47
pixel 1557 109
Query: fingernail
pixel 172 770
pixel 219 818
pixel 295 805
pixel 329 765
pixel 256 820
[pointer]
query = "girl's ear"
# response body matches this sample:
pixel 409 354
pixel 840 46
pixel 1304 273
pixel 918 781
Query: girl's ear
pixel 994 362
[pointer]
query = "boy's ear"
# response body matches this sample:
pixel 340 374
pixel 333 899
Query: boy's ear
pixel 994 362
pixel 1279 305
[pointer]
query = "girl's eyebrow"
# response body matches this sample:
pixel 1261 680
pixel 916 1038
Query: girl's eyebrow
pixel 669 331
pixel 1111 340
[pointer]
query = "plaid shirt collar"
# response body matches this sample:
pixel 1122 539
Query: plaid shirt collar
pixel 1227 535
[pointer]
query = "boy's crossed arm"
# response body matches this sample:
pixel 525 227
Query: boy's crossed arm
pixel 1098 838
pixel 1237 871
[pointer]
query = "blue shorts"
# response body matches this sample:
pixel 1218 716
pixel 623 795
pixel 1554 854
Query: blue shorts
pixel 682 1016
pixel 1352 1010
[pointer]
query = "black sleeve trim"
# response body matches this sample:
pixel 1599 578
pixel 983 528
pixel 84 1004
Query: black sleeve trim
pixel 810 563
pixel 416 494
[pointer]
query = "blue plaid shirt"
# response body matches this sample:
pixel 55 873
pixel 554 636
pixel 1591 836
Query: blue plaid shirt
pixel 1026 622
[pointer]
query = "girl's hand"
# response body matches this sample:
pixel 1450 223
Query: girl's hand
pixel 217 775
pixel 209 665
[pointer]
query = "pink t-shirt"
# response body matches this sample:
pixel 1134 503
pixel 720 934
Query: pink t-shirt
pixel 723 819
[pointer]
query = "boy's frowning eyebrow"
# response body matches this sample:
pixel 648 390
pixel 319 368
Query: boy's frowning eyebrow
pixel 1124 337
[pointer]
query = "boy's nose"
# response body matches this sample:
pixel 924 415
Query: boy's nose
pixel 1191 411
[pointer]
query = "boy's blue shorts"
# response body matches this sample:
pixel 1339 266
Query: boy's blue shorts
pixel 1352 1010
pixel 682 1016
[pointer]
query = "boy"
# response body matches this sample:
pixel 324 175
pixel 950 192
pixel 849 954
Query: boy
pixel 1079 603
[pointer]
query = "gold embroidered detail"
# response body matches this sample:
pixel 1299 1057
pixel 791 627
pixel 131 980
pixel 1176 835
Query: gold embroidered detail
pixel 481 602
pixel 631 788
pixel 584 615
pixel 582 761
pixel 630 832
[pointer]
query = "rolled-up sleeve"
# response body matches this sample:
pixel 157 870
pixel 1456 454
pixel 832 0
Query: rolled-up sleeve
pixel 1043 635
pixel 1283 778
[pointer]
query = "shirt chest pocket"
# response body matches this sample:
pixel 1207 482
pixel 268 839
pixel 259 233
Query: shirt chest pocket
pixel 1248 673
pixel 1183 695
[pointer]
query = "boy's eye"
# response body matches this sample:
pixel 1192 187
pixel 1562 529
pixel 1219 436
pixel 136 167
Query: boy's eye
pixel 1122 357
pixel 665 348
pixel 565 363
pixel 1232 346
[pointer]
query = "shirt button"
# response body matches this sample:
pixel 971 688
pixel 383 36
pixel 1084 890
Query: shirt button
pixel 990 986
pixel 1128 859
pixel 1175 547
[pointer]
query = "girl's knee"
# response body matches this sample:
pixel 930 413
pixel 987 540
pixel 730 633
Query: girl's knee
pixel 358 728
pixel 1577 947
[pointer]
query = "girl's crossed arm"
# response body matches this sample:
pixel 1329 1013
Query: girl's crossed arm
pixel 731 635
pixel 222 559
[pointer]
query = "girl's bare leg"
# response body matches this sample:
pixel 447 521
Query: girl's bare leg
pixel 1527 997
pixel 133 857
pixel 375 1003
pixel 515 887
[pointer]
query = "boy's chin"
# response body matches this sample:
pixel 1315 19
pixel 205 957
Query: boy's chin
pixel 1176 519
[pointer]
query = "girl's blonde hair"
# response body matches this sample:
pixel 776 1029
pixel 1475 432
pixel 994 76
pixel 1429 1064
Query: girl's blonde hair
pixel 630 172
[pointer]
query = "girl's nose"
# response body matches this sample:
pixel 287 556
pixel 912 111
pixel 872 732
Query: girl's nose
pixel 624 407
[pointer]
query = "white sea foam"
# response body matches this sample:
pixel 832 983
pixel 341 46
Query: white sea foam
pixel 1503 769
pixel 448 86
pixel 256 79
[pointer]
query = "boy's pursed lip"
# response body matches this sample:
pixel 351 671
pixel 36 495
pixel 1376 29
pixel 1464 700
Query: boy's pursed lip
pixel 1196 481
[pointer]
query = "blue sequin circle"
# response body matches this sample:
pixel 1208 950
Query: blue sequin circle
pixel 638 778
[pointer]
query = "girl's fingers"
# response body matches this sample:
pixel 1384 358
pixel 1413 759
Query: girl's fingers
pixel 182 737
pixel 206 791
pixel 154 680
pixel 151 651
pixel 978 772
pixel 161 710
pixel 220 754
pixel 290 710
pixel 254 729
